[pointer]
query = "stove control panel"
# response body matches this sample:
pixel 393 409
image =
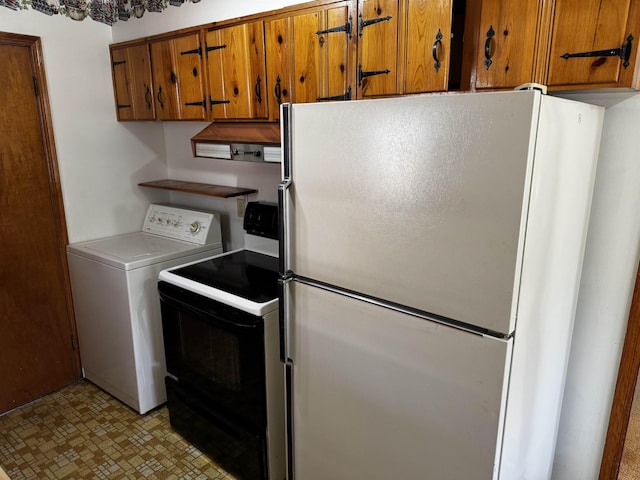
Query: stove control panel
pixel 193 226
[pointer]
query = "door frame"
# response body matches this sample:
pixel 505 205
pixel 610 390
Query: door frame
pixel 624 391
pixel 55 188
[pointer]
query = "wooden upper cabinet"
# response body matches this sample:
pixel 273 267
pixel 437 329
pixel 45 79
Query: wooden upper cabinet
pixel 378 36
pixel 594 43
pixel 178 78
pixel 428 45
pixel 321 55
pixel 237 72
pixel 278 46
pixel 506 48
pixel 131 68
pixel 310 56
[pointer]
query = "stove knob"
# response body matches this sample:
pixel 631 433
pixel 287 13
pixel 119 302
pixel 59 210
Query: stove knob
pixel 195 227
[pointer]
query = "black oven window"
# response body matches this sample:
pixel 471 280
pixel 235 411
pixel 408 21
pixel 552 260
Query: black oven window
pixel 211 353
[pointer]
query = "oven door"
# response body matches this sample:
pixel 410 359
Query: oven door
pixel 217 352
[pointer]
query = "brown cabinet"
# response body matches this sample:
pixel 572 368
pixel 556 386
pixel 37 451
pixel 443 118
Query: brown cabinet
pixel 177 67
pixel 133 89
pixel 404 46
pixel 310 56
pixel 237 72
pixel 378 47
pixel 505 49
pixel 428 45
pixel 594 44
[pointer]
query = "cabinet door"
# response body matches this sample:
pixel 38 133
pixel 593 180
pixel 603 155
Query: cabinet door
pixel 377 48
pixel 278 44
pixel 321 55
pixel 506 54
pixel 237 73
pixel 131 67
pixel 585 33
pixel 177 75
pixel 428 45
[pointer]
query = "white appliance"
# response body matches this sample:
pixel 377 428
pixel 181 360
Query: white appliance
pixel 113 282
pixel 433 248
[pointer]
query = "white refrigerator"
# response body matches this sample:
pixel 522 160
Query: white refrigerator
pixel 431 251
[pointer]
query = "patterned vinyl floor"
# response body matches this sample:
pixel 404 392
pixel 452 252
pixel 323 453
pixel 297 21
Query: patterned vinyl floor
pixel 81 432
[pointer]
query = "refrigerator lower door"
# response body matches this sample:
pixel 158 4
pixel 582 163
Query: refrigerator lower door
pixel 380 394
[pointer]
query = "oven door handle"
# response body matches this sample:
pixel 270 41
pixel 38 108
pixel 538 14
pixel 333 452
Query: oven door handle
pixel 212 316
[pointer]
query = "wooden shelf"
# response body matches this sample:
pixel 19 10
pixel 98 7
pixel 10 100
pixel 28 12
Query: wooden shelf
pixel 199 188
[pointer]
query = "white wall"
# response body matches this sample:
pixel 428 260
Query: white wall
pixel 191 14
pixel 611 262
pixel 100 160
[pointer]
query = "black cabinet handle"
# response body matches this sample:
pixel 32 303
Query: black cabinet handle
pixel 278 91
pixel 159 97
pixel 147 95
pixel 437 45
pixel 257 89
pixel 487 47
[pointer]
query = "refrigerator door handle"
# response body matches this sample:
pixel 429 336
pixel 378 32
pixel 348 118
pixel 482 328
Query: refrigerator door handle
pixel 283 230
pixel 284 320
pixel 283 194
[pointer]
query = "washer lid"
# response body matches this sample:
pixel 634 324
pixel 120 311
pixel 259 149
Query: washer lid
pixel 137 249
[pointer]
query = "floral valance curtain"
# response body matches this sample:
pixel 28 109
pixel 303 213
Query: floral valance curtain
pixel 105 11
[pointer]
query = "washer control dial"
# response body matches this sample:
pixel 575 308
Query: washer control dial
pixel 195 227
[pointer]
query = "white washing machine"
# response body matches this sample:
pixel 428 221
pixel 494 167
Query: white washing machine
pixel 115 296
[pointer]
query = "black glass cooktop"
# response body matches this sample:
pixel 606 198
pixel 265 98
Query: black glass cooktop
pixel 247 274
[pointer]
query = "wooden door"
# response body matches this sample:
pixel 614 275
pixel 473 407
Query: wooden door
pixel 378 48
pixel 506 46
pixel 428 45
pixel 131 68
pixel 237 72
pixel 36 344
pixel 586 26
pixel 278 44
pixel 177 78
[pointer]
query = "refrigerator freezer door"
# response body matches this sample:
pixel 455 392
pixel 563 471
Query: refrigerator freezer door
pixel 435 186
pixel 379 394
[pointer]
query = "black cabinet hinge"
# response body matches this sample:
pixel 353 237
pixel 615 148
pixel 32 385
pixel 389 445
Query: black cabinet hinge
pixel 202 104
pixel 346 96
pixel 347 28
pixel 74 343
pixel 208 49
pixel 365 23
pixel 364 74
pixel 195 51
pixel 36 90
pixel 624 52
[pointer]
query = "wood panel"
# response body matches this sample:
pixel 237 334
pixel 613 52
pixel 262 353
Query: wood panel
pixel 189 68
pixel 278 48
pixel 506 47
pixel 428 28
pixel 336 59
pixel 36 347
pixel 237 72
pixel 584 26
pixel 133 87
pixel 306 58
pixel 178 78
pixel 378 48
